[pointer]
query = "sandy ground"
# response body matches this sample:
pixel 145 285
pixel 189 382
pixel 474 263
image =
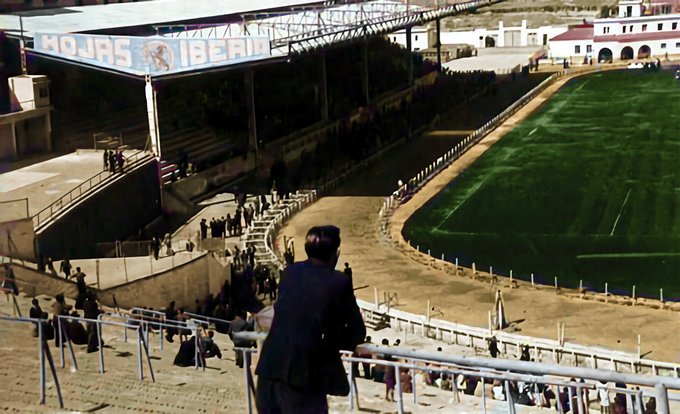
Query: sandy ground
pixel 376 263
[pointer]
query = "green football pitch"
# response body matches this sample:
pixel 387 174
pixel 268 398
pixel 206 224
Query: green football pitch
pixel 587 188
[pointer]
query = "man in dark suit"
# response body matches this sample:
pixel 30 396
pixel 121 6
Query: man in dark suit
pixel 315 316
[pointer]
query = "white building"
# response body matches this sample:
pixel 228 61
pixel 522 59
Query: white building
pixel 423 38
pixel 510 36
pixel 640 30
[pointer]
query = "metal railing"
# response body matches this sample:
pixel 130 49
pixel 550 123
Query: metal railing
pixel 44 352
pixel 477 338
pixel 45 216
pixel 505 371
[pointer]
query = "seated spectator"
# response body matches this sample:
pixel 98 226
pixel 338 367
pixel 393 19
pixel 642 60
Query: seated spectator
pixel 445 382
pixel 241 324
pixel 76 331
pixel 221 312
pixel 186 355
pixel 37 313
pixel 208 346
pixel 406 380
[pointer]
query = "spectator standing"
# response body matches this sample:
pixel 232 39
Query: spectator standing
pixel 65 267
pixel 348 271
pixel 120 160
pixel 106 159
pixel 316 315
pixel 493 347
pixel 204 229
pixel 112 162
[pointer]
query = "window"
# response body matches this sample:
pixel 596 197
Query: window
pixel 675 25
pixel 644 28
pixel 416 37
pixel 660 26
pixel 631 28
pixel 663 45
pixel 605 30
pixel 677 44
pixel 624 29
pixel 577 49
pixel 589 48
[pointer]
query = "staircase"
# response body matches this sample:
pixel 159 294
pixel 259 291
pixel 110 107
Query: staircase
pixel 220 388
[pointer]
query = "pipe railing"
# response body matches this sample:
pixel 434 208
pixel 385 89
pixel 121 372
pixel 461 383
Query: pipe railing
pixel 44 352
pixel 58 206
pixel 137 320
pixel 142 344
pixel 492 369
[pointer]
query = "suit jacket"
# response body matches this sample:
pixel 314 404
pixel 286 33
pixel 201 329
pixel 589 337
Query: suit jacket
pixel 315 316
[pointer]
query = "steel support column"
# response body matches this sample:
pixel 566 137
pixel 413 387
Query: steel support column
pixel 409 49
pixel 252 120
pixel 438 45
pixel 152 116
pixel 364 72
pixel 323 86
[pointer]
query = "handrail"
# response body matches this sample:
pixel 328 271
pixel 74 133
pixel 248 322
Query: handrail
pixel 44 351
pixel 42 217
pixel 198 317
pixel 143 323
pixel 493 369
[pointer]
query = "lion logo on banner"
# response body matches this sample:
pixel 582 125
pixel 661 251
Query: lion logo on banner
pixel 159 55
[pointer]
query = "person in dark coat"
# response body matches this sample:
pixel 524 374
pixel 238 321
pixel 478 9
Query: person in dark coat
pixel 76 331
pixel 315 316
pixel 9 283
pixel 112 161
pixel 91 311
pixel 186 355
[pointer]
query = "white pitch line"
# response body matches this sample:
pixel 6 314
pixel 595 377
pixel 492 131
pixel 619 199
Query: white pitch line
pixel 532 131
pixel 582 85
pixel 620 211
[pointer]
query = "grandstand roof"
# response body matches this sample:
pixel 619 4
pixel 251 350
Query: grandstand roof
pixel 188 39
pixel 111 16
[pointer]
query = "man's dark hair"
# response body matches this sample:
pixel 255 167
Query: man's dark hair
pixel 322 242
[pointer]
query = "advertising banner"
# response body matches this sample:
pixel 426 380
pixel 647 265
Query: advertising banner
pixel 155 55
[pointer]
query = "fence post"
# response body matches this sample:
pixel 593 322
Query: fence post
pixel 532 279
pixel 125 266
pixel 97 267
pixel 246 369
pixel 400 402
pixel 41 349
pixel 662 405
pixel 101 348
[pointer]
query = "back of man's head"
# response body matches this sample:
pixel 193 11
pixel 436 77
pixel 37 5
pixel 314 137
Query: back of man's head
pixel 322 243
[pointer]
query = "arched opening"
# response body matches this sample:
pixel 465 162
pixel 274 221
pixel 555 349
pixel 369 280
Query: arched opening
pixel 627 53
pixel 489 42
pixel 644 52
pixel 605 55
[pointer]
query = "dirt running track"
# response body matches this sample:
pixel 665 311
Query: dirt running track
pixel 378 264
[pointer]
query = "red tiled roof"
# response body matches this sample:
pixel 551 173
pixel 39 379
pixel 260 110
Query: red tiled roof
pixel 582 32
pixel 634 37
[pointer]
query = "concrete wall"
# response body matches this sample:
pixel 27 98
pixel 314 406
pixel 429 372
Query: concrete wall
pixel 183 284
pixel 34 283
pixel 113 213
